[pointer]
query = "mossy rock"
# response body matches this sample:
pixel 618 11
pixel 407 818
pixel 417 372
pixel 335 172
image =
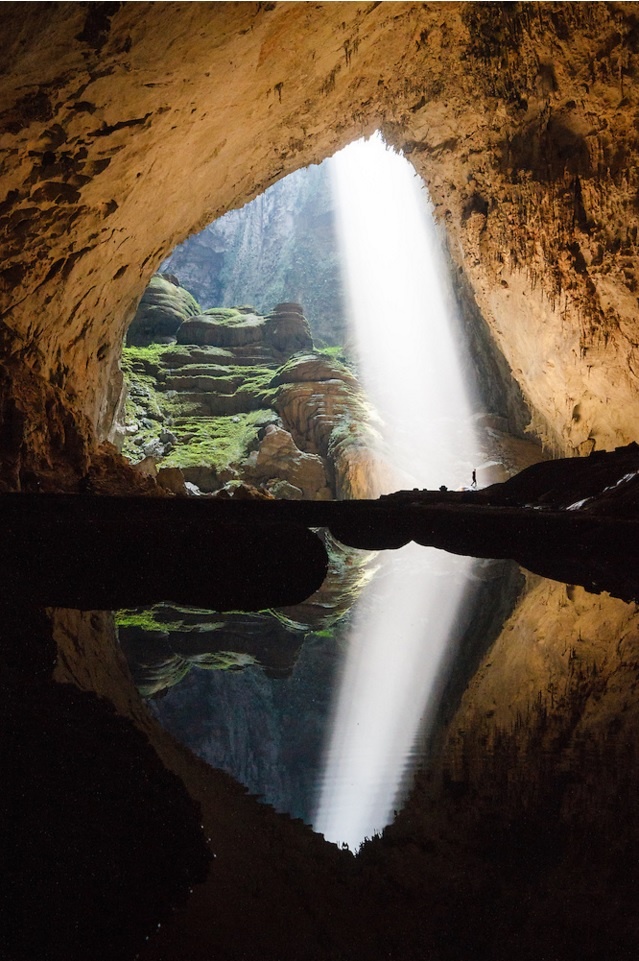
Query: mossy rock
pixel 234 330
pixel 164 306
pixel 313 365
pixel 217 442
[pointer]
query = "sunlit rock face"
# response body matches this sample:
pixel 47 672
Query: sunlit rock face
pixel 243 398
pixel 521 120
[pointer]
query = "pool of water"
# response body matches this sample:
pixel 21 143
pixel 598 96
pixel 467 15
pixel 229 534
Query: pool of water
pixel 328 721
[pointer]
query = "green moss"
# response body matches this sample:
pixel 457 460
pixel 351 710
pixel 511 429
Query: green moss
pixel 144 402
pixel 226 315
pixel 334 353
pixel 255 380
pixel 146 360
pixel 216 441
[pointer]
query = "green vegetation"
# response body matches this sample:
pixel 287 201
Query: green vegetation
pixel 337 353
pixel 201 440
pixel 146 620
pixel 230 316
pixel 146 360
pixel 170 618
pixel 217 442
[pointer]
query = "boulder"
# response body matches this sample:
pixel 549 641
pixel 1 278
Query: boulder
pixel 164 306
pixel 314 366
pixel 227 327
pixel 172 479
pixel 287 329
pixel 279 458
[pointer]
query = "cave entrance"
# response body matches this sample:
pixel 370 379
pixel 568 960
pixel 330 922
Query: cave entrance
pixel 365 389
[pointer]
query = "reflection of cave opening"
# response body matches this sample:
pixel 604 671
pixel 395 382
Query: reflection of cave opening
pixel 223 395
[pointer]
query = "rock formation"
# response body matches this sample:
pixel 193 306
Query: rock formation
pixel 242 397
pixel 520 119
pixel 283 245
pixel 164 306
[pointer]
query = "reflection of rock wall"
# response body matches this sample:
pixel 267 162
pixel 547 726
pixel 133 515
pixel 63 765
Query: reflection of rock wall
pixel 536 786
pixel 164 642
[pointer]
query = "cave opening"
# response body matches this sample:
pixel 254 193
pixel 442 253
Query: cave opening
pixel 521 839
pixel 371 388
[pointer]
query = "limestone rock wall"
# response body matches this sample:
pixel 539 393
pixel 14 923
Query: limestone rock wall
pixel 521 118
pixel 530 169
pixel 281 247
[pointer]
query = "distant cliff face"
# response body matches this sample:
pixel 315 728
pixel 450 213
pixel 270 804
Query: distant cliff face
pixel 281 247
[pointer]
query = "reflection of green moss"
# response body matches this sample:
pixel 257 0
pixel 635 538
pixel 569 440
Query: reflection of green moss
pixel 145 619
pixel 216 441
pixel 169 617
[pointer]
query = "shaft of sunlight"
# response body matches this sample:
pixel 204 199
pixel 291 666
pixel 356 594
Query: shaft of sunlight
pixel 402 313
pixel 409 363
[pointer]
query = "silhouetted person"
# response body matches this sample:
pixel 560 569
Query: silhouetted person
pixel 473 483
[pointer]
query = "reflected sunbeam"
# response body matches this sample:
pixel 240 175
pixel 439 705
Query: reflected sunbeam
pixel 409 363
pixel 399 640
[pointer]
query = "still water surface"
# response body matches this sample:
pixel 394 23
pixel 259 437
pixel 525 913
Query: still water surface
pixel 332 737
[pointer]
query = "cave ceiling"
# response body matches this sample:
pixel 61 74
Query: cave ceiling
pixel 124 127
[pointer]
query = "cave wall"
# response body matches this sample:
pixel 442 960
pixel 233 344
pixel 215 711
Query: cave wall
pixel 126 127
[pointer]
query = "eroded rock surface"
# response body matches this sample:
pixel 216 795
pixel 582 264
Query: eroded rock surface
pixel 242 397
pixel 520 119
pixel 164 306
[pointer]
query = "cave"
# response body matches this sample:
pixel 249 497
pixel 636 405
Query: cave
pixel 125 128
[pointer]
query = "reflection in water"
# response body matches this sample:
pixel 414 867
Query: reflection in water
pixel 521 834
pixel 410 368
pixel 400 634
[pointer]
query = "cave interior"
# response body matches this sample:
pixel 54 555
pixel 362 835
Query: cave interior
pixel 124 129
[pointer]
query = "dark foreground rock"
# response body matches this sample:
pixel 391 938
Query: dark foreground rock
pixel 252 554
pixel 99 840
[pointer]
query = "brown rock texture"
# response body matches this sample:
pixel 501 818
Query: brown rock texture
pixel 521 118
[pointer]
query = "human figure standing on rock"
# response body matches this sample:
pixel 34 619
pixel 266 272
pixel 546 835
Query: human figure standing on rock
pixel 473 482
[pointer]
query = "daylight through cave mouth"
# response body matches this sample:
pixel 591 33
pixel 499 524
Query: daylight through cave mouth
pixel 308 346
